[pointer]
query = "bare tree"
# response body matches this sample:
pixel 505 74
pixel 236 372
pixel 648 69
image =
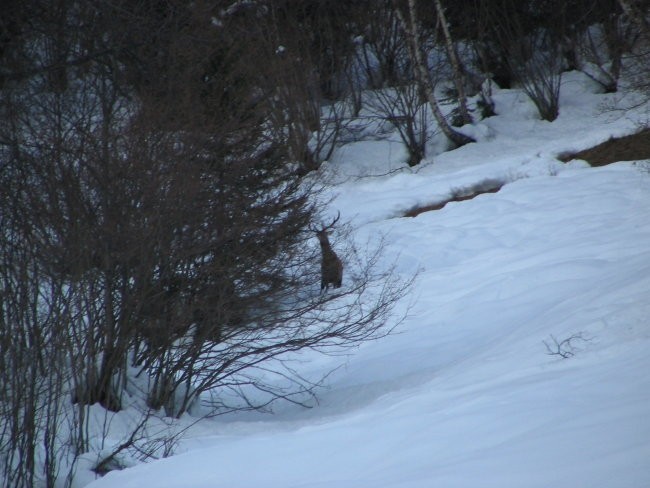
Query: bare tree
pixel 531 36
pixel 404 109
pixel 303 55
pixel 595 40
pixel 457 70
pixel 636 14
pixel 382 50
pixel 410 26
pixel 150 224
pixel 636 11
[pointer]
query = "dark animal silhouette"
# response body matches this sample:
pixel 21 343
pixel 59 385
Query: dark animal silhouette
pixel 331 265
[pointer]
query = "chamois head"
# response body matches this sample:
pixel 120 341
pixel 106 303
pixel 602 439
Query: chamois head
pixel 323 230
pixel 331 266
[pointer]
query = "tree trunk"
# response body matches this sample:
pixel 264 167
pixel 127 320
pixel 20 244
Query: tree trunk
pixel 422 75
pixel 456 67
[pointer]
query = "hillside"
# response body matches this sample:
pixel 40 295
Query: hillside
pixel 523 358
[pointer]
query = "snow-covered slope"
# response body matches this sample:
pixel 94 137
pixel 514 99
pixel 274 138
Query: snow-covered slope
pixel 465 394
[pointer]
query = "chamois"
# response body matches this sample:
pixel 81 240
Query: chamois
pixel 331 266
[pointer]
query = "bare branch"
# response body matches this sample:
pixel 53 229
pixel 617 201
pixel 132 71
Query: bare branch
pixel 565 348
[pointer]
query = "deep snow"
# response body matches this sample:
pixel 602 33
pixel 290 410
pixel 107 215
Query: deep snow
pixel 465 394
